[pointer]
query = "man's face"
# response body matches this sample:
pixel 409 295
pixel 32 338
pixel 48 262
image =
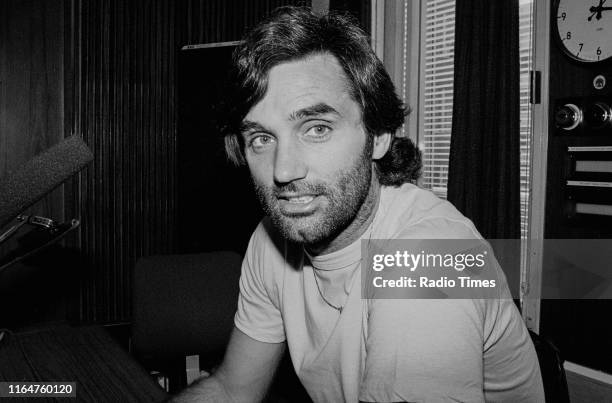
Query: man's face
pixel 307 150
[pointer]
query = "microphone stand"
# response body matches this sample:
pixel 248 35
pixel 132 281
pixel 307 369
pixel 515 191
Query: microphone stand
pixel 56 231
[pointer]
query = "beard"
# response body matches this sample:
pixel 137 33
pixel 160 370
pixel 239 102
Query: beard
pixel 344 198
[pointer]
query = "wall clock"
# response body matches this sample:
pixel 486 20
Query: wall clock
pixel 584 29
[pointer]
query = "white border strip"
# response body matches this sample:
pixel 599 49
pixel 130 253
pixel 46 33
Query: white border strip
pixel 589 149
pixel 590 184
pixel 588 372
pixel 595 209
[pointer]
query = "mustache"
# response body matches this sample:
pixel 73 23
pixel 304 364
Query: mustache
pixel 299 187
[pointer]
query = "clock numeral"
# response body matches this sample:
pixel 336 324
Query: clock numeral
pixel 568 35
pixel 580 50
pixel 598 51
pixel 563 15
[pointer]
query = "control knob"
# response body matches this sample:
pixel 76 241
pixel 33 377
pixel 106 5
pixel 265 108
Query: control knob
pixel 568 117
pixel 597 115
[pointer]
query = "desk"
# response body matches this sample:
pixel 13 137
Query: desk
pixel 102 370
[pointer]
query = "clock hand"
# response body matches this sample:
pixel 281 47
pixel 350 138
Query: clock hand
pixel 596 11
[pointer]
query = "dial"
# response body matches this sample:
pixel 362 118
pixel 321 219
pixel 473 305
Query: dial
pixel 568 117
pixel 597 115
pixel 585 29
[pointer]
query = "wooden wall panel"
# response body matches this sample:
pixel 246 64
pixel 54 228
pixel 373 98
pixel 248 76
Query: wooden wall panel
pixel 121 75
pixel 121 97
pixel 209 21
pixel 31 121
pixel 31 87
pixel 106 70
pixel 121 100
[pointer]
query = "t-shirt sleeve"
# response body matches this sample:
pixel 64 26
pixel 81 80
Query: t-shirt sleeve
pixel 436 350
pixel 511 368
pixel 258 314
pixel 423 351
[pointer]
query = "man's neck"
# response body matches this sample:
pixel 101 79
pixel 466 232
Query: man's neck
pixel 357 227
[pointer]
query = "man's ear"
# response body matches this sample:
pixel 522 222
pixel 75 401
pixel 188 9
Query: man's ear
pixel 381 145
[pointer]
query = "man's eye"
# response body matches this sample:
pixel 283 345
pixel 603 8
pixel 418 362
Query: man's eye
pixel 318 130
pixel 261 141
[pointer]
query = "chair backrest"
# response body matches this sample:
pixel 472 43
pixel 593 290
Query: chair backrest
pixel 551 367
pixel 184 304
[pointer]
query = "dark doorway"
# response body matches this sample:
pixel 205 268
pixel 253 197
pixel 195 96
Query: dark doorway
pixel 217 208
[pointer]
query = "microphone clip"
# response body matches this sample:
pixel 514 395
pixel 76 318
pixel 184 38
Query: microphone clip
pixel 36 221
pixel 50 232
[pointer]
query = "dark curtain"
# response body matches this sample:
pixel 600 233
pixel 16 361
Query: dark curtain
pixel 484 166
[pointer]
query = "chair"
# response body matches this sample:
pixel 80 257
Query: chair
pixel 183 305
pixel 551 367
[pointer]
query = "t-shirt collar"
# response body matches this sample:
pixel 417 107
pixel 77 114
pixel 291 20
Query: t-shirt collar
pixel 342 258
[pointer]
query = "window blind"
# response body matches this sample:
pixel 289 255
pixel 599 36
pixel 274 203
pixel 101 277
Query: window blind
pixel 525 57
pixel 437 63
pixel 437 59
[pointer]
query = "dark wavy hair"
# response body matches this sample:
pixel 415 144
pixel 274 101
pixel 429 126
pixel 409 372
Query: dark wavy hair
pixel 293 33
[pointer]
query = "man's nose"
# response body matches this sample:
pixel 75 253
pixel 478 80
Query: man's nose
pixel 288 163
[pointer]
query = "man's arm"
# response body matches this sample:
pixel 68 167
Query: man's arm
pixel 244 376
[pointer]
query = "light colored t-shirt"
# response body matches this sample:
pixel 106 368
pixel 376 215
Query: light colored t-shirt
pixel 385 350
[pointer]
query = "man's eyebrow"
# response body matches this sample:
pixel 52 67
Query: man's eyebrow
pixel 249 126
pixel 314 110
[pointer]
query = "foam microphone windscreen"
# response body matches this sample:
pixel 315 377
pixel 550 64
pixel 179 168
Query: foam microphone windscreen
pixel 26 185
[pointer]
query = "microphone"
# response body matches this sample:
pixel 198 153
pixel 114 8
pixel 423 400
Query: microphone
pixel 31 182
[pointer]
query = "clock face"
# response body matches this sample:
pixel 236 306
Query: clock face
pixel 585 29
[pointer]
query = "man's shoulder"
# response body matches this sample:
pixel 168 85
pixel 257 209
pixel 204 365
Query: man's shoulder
pixel 409 211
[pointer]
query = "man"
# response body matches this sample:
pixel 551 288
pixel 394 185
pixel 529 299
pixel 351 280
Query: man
pixel 314 120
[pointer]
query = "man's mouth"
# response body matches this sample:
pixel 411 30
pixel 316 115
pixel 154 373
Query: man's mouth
pixel 299 199
pixel 298 203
